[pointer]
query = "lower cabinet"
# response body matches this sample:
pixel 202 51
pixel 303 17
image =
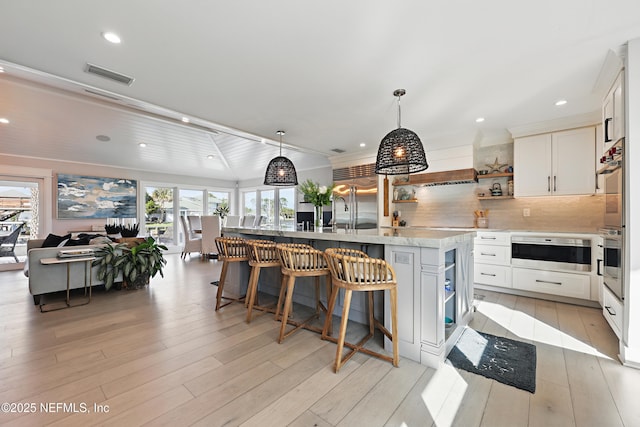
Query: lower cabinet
pixel 435 295
pixel 552 282
pixel 493 275
pixel 612 309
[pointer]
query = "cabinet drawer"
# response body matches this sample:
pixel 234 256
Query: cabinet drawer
pixel 488 254
pixel 552 282
pixel 494 275
pixel 493 238
pixel 612 310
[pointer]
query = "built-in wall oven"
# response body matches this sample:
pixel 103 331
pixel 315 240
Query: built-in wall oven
pixel 553 253
pixel 612 233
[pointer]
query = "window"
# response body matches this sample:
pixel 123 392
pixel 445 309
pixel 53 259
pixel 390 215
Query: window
pixel 191 202
pixel 249 203
pixel 287 203
pixel 159 214
pixel 215 199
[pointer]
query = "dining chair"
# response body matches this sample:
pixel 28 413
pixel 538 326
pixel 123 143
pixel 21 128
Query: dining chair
pixel 248 221
pixel 191 243
pixel 195 223
pixel 232 221
pixel 210 230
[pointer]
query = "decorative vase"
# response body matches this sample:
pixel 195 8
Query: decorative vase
pixel 317 218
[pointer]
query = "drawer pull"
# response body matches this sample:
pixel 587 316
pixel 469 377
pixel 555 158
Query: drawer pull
pixel 487 238
pixel 608 308
pixel 487 274
pixel 486 254
pixel 546 281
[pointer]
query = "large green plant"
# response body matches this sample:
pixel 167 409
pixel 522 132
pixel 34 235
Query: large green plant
pixel 137 264
pixel 142 262
pixel 109 260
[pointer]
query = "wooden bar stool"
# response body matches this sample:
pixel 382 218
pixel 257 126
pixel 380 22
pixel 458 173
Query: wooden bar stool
pixel 299 260
pixel 355 272
pixel 262 254
pixel 230 249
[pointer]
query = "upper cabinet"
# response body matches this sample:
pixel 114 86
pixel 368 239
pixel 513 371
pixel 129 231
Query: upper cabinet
pixel 558 163
pixel 613 112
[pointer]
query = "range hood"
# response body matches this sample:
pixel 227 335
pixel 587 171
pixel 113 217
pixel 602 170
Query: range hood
pixel 458 176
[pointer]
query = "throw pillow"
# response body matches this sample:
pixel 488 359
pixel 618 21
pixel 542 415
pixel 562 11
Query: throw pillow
pixel 52 241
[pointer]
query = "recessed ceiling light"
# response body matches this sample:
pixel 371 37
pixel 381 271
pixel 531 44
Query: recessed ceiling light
pixel 210 156
pixel 480 120
pixel 561 102
pixel 185 119
pixel 4 121
pixel 362 144
pixel 103 138
pixel 111 37
pixel 142 144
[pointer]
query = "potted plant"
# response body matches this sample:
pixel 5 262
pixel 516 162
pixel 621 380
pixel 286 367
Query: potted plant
pixel 137 264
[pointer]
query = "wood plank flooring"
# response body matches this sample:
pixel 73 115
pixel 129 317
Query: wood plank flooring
pixel 163 356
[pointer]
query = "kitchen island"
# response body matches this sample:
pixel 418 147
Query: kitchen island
pixel 434 269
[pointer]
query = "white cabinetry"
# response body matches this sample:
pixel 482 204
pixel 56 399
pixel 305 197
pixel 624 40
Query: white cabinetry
pixel 612 309
pixel 493 259
pixel 433 284
pixel 552 282
pixel 613 112
pixel 559 163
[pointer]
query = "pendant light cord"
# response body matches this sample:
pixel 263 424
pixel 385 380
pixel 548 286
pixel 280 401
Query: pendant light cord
pixel 399 113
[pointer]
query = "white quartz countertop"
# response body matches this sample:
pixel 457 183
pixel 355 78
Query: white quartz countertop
pixel 425 238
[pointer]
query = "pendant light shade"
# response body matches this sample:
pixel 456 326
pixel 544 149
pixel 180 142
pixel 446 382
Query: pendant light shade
pixel 281 171
pixel 400 151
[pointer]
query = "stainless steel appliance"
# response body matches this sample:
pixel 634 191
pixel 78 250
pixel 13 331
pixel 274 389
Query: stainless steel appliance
pixel 355 203
pixel 612 233
pixel 555 253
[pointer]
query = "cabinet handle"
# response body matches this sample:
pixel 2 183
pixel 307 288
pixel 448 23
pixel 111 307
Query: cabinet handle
pixel 599 264
pixel 606 129
pixel 549 184
pixel 487 274
pixel 608 308
pixel 546 281
pixel 487 238
pixel 486 254
pixel 554 183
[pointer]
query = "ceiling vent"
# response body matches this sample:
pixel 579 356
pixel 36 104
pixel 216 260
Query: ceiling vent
pixel 351 172
pixel 338 150
pixel 108 74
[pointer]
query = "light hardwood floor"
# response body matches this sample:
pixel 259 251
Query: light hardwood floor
pixel 163 356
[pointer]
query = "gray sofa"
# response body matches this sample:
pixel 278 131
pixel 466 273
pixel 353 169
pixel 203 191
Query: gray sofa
pixel 44 279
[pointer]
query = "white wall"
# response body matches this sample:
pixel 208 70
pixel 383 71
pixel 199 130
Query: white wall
pixel 62 226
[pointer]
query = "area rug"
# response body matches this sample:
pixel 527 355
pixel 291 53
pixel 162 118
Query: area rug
pixel 505 360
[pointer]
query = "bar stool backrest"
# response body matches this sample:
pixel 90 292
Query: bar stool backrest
pixel 300 257
pixel 359 271
pixel 262 251
pixel 232 248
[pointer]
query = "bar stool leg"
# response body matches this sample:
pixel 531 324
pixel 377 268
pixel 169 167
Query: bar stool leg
pixel 287 307
pixel 283 287
pixel 343 329
pixel 223 276
pixel 252 291
pixel 372 324
pixel 328 321
pixel 393 300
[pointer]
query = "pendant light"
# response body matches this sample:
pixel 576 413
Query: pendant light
pixel 401 151
pixel 280 170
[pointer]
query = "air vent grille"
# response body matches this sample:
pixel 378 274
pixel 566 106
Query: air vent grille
pixel 351 172
pixel 338 150
pixel 108 74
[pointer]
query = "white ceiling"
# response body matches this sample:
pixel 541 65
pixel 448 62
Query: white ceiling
pixel 322 71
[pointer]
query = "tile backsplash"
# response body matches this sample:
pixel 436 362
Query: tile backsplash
pixel 453 206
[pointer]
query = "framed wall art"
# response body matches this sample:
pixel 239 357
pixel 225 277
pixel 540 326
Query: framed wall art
pixel 90 197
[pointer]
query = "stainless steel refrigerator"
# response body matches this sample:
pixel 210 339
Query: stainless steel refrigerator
pixel 355 203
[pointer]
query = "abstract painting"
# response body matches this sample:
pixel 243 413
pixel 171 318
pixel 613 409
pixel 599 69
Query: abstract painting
pixel 86 197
